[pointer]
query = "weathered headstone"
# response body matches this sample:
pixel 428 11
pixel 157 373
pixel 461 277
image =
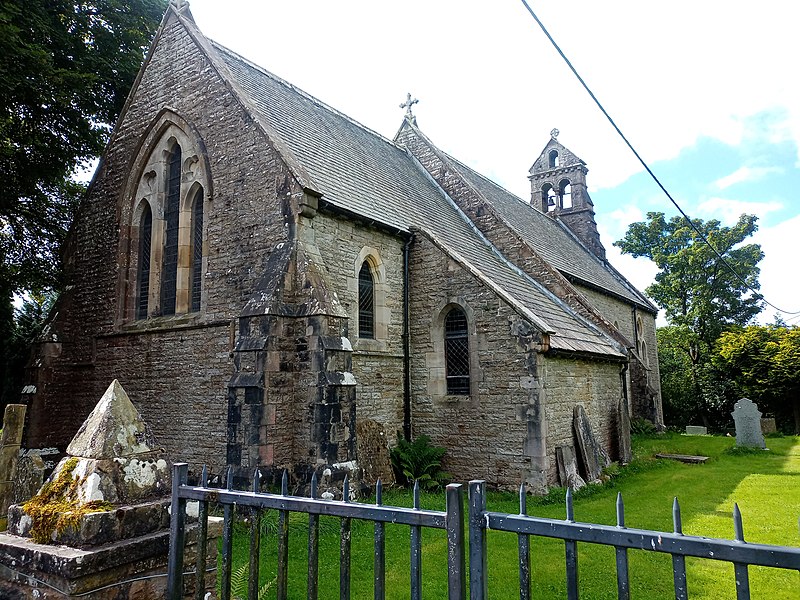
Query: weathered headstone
pixel 593 457
pixel 748 424
pixel 696 430
pixel 29 477
pixel 568 468
pixel 13 422
pixel 372 450
pixel 768 425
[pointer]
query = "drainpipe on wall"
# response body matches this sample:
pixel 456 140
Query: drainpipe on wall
pixel 406 345
pixel 624 381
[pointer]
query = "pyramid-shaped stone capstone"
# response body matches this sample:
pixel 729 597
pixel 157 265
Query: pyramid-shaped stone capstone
pixel 114 429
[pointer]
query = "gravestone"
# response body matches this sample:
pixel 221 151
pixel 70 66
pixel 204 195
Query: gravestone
pixel 372 450
pixel 593 457
pixel 13 422
pixel 768 425
pixel 696 430
pixel 568 468
pixel 29 477
pixel 748 424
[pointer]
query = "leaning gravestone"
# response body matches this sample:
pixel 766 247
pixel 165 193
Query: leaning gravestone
pixel 568 468
pixel 748 424
pixel 592 454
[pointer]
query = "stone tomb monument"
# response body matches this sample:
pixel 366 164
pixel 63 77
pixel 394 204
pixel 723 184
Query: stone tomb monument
pixel 106 506
pixel 748 424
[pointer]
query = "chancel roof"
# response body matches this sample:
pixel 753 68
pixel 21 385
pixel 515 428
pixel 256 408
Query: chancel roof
pixel 360 171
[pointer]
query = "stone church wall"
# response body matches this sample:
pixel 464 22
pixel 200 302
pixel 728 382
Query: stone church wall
pixel 494 433
pixel 174 368
pixel 595 385
pixel 377 363
pixel 624 315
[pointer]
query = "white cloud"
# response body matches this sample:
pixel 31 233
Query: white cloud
pixel 745 174
pixel 613 225
pixel 728 211
pixel 778 283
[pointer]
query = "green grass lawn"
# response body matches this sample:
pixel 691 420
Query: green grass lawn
pixel 765 484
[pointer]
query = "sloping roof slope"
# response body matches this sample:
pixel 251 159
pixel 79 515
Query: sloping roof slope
pixel 553 240
pixel 358 170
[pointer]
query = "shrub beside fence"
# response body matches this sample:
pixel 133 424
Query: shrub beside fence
pixel 479 520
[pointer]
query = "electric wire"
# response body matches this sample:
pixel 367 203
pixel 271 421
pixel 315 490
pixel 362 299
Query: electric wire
pixel 647 168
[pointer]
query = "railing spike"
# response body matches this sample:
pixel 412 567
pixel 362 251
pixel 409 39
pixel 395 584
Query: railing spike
pixel 346 488
pixel 676 516
pixel 314 485
pixel 416 493
pixel 285 483
pixel 570 508
pixel 229 478
pixel 738 528
pixel 379 492
pixel 620 510
pixel 523 497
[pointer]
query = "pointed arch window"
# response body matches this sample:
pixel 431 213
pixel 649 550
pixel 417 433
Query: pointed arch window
pixel 565 191
pixel 366 302
pixel 196 255
pixel 170 192
pixel 552 159
pixel 169 269
pixel 456 351
pixel 143 277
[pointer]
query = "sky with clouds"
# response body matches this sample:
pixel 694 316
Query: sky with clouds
pixel 706 92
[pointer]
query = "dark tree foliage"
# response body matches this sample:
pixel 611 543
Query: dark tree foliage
pixel 65 71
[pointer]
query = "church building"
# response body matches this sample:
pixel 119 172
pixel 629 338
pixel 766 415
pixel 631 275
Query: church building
pixel 273 284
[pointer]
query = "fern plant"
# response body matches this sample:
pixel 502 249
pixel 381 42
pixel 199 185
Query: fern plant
pixel 419 460
pixel 239 581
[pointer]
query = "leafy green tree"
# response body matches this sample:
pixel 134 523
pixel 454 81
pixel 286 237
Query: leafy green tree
pixel 765 362
pixel 65 71
pixel 698 292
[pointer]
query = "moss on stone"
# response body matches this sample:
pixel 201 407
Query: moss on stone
pixel 57 506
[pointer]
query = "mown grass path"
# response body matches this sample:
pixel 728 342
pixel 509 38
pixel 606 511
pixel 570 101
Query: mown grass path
pixel 766 485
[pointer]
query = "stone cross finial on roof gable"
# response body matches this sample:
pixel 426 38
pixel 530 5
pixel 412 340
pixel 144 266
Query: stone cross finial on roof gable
pixel 554 133
pixel 407 105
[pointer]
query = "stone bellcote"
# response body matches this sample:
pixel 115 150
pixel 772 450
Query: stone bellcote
pixel 558 189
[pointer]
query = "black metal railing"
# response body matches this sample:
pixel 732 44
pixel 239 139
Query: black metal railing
pixel 451 520
pixel 479 520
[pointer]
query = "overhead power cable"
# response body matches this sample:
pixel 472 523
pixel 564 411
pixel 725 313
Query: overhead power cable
pixel 649 171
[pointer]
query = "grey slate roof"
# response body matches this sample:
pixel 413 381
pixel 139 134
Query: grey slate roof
pixel 358 170
pixel 553 240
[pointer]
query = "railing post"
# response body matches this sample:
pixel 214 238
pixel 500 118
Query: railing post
pixel 478 589
pixel 454 521
pixel 177 531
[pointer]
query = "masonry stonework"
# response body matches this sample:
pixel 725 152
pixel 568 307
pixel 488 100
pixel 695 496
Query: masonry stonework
pixel 271 371
pixel 187 355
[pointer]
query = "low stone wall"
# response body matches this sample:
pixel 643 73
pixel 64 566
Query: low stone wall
pixel 132 569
